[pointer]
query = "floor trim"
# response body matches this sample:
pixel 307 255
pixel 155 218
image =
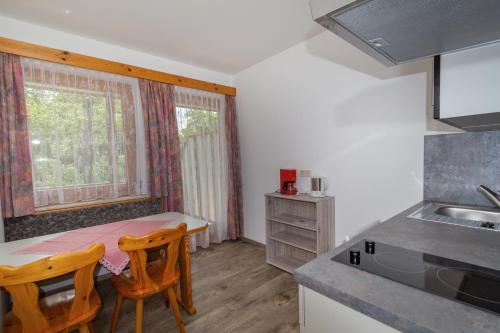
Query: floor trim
pixel 251 241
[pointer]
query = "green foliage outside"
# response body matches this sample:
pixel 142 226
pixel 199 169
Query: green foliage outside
pixel 69 134
pixel 70 131
pixel 193 122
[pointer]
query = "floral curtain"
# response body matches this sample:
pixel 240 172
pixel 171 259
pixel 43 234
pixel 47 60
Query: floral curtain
pixel 16 184
pixel 162 143
pixel 235 192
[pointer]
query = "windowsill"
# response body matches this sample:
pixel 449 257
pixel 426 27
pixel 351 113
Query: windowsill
pixel 90 204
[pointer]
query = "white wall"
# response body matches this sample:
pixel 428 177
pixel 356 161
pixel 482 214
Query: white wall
pixel 320 105
pixel 31 33
pixel 325 106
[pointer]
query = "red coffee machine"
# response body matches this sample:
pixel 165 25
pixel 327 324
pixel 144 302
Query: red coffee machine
pixel 288 177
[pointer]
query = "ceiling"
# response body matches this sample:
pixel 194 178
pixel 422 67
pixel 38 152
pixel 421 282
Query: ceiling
pixel 222 35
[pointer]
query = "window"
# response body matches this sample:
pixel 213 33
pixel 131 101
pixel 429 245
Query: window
pixel 86 134
pixel 200 118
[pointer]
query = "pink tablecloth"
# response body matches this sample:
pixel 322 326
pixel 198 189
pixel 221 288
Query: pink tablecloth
pixel 114 259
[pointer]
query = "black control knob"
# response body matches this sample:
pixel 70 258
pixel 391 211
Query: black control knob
pixel 355 256
pixel 369 246
pixel 488 225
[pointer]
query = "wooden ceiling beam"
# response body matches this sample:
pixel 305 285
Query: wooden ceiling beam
pixel 79 60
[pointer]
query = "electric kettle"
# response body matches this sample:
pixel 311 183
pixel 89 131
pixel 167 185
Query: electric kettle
pixel 318 187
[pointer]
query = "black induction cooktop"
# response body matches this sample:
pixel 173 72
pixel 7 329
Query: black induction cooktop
pixel 463 282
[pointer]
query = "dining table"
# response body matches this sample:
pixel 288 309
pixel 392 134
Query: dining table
pixel 16 253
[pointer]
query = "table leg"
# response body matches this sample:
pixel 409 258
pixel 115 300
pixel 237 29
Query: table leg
pixel 185 278
pixel 3 306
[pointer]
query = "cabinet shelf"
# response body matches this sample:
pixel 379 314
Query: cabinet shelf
pixel 296 240
pixel 295 221
pixel 298 229
pixel 286 263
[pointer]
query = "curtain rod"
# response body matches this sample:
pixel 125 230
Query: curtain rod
pixel 79 60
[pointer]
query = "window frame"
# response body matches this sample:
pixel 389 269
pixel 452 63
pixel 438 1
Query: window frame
pixel 135 181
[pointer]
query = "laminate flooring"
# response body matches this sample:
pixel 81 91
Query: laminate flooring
pixel 234 290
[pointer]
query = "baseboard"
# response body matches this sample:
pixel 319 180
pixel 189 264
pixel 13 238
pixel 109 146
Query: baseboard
pixel 251 241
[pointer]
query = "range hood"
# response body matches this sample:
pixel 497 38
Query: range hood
pixel 398 31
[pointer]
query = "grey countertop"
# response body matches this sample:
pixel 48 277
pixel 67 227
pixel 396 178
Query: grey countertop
pixel 406 308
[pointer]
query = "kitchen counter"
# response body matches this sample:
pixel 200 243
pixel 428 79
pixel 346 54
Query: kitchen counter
pixel 406 308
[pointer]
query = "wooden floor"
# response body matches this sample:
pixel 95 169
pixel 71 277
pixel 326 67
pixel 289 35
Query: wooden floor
pixel 234 290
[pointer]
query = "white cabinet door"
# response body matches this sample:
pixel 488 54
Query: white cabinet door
pixel 469 82
pixel 320 314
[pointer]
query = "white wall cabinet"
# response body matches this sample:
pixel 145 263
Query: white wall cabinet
pixel 320 314
pixel 466 88
pixel 469 81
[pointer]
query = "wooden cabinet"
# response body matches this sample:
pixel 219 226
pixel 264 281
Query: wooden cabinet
pixel 298 229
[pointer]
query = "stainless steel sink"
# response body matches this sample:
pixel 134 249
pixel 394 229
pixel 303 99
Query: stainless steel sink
pixel 466 216
pixel 479 215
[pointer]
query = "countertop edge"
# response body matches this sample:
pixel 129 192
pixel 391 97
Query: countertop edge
pixel 338 283
pixel 366 308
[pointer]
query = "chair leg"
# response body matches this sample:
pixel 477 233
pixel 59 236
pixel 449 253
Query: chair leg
pixel 91 327
pixel 83 329
pixel 138 315
pixel 167 304
pixel 175 308
pixel 116 312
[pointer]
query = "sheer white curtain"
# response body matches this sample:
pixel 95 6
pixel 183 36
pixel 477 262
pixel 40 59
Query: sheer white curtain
pixel 86 133
pixel 200 117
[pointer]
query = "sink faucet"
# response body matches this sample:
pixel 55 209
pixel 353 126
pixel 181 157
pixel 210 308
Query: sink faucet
pixel 490 194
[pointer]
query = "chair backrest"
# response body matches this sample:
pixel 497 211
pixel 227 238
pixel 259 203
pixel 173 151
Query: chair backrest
pixel 20 282
pixel 166 240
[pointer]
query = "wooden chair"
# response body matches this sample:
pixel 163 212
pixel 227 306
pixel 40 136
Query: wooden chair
pixel 61 312
pixel 145 279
